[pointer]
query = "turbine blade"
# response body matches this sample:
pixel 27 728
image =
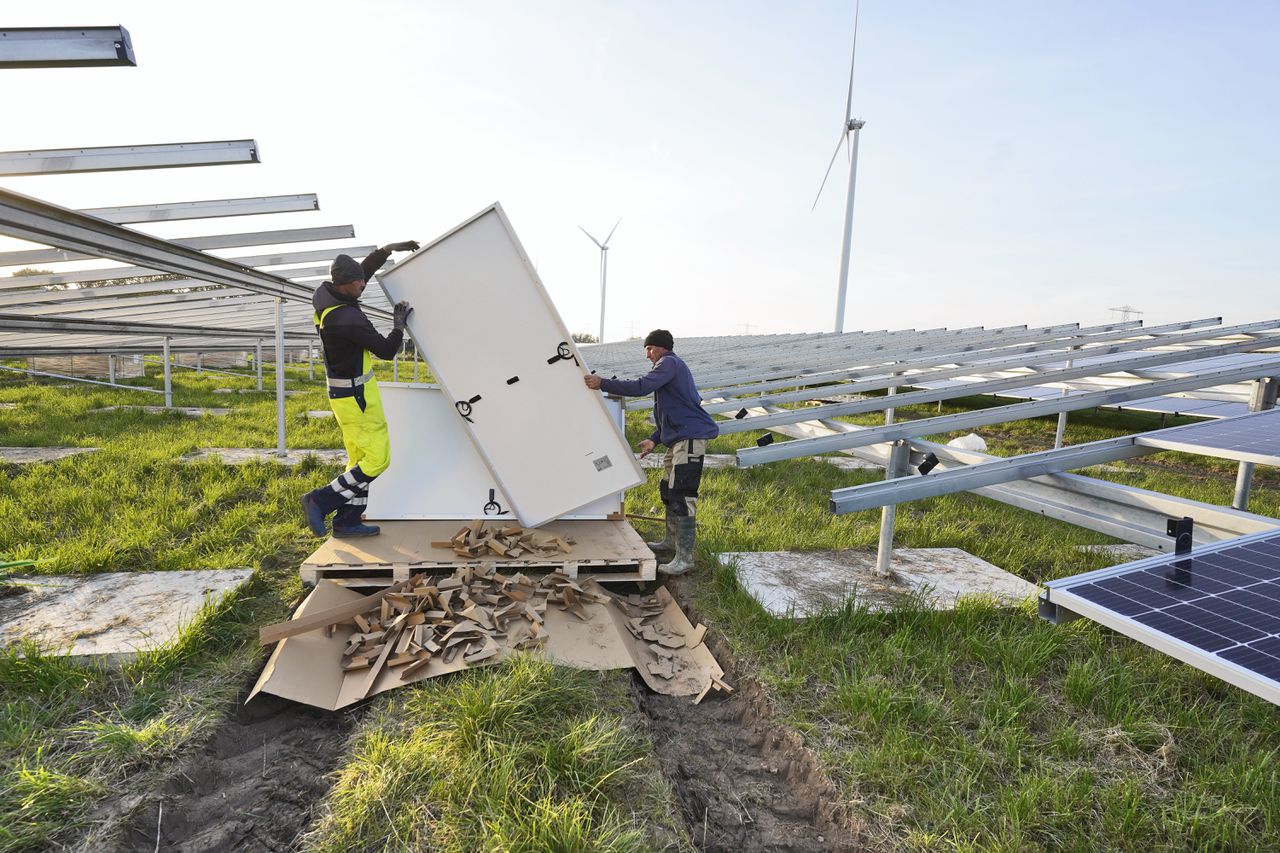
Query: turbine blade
pixel 843 139
pixel 589 237
pixel 615 228
pixel 853 56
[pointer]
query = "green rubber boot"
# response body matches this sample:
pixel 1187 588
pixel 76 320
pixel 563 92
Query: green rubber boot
pixel 665 549
pixel 686 535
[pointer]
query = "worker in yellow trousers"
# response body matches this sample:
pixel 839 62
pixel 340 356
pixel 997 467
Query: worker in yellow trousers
pixel 350 342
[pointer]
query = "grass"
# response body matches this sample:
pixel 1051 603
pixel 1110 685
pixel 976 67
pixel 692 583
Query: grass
pixel 979 729
pixel 71 735
pixel 522 756
pixel 985 728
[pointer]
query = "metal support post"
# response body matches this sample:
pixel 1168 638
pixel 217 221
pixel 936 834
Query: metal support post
pixel 898 458
pixel 888 413
pixel 311 362
pixel 111 369
pixel 1262 397
pixel 281 451
pixel 415 364
pixel 1062 416
pixel 257 361
pixel 168 377
pixel 199 364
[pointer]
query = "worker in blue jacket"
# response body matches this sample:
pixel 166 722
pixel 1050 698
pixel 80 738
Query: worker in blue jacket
pixel 684 428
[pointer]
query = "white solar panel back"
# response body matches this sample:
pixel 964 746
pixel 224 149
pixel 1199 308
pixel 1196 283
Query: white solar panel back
pixel 508 364
pixel 435 471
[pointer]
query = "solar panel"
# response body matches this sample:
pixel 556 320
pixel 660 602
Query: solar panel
pixel 1217 608
pixel 1250 438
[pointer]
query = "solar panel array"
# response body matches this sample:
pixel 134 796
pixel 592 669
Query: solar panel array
pixel 1217 608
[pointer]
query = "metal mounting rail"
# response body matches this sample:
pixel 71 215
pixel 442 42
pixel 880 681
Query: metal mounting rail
pixel 1001 414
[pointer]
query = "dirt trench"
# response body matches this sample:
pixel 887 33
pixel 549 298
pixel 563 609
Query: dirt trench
pixel 251 789
pixel 744 782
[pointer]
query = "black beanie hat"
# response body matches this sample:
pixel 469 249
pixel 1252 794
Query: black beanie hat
pixel 660 338
pixel 345 270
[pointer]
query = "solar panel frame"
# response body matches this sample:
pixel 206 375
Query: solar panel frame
pixel 1224 621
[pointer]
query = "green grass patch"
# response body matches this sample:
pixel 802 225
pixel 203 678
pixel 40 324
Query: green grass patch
pixel 71 735
pixel 522 756
pixel 985 728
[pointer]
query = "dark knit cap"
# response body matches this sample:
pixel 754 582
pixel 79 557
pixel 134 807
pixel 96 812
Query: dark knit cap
pixel 345 270
pixel 660 338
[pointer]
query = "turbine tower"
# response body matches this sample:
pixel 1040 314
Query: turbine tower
pixel 848 136
pixel 604 267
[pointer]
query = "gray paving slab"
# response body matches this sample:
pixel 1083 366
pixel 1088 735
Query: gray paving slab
pixel 728 460
pixel 29 455
pixel 796 584
pixel 243 455
pixel 109 617
pixel 189 411
pixel 1124 552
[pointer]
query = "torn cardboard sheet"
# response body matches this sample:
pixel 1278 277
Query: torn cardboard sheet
pixel 342 646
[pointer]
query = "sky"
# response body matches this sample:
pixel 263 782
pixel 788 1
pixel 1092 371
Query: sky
pixel 1022 162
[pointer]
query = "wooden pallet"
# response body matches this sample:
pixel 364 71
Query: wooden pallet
pixel 606 551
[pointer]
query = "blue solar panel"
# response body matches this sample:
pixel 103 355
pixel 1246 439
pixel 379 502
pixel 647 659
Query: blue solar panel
pixel 1254 437
pixel 1220 607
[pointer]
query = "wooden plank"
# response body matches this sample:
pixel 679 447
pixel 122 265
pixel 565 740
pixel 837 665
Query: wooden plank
pixel 273 633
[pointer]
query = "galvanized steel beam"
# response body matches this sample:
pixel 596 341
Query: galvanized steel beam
pixel 116 158
pixel 990 386
pixel 171 211
pixel 40 222
pixel 16 323
pixel 31 257
pixel 65 47
pixel 1000 414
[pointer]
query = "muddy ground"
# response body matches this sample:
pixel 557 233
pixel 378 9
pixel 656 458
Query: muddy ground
pixel 251 789
pixel 744 782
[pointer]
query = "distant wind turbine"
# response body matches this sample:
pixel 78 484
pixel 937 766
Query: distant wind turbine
pixel 848 136
pixel 604 267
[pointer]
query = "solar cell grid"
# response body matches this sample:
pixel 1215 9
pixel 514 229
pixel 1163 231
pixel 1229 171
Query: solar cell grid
pixel 1222 601
pixel 1253 437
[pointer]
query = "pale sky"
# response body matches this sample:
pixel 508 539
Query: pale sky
pixel 1022 162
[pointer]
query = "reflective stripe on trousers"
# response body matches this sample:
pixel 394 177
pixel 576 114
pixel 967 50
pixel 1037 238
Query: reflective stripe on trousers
pixel 682 476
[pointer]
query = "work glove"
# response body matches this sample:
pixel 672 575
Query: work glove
pixel 406 246
pixel 401 315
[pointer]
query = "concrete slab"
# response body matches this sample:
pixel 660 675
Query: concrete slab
pixel 8 406
pixel 319 413
pixel 728 460
pixel 110 617
pixel 711 460
pixel 794 584
pixel 1125 552
pixel 242 455
pixel 848 463
pixel 271 391
pixel 28 455
pixel 189 411
pixel 838 398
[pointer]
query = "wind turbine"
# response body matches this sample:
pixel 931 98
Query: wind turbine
pixel 604 266
pixel 848 136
